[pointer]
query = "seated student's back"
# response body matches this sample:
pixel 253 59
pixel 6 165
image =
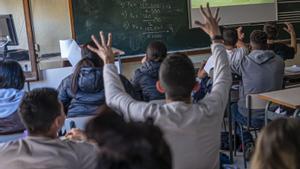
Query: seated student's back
pixel 82 92
pixel 43 116
pixel 192 130
pixel 145 77
pixel 11 92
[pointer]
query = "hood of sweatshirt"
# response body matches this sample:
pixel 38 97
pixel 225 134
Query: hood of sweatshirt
pixel 261 56
pixel 9 101
pixel 91 80
pixel 151 68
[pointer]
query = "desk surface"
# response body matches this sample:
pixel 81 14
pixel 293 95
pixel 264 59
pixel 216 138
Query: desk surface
pixel 288 97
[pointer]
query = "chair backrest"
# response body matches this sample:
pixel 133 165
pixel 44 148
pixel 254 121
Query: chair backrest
pixel 254 102
pixel 11 137
pixel 76 122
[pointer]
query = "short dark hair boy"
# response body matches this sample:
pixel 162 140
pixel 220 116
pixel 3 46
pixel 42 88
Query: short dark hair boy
pixel 178 85
pixel 230 37
pixel 39 109
pixel 259 40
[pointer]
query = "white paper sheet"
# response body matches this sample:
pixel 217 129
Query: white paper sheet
pixel 293 69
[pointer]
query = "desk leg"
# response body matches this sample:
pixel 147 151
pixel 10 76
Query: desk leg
pixel 267 112
pixel 230 128
pixel 297 113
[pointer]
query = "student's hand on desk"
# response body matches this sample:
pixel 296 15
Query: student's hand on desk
pixel 104 50
pixel 76 134
pixel 211 23
pixel 289 28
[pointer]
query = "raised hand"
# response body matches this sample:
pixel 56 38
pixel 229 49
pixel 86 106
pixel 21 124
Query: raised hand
pixel 103 50
pixel 289 28
pixel 241 34
pixel 211 23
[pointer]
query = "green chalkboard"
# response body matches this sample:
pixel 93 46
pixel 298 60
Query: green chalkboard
pixel 134 23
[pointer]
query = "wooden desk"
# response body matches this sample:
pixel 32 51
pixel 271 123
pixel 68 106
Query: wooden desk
pixel 290 75
pixel 289 98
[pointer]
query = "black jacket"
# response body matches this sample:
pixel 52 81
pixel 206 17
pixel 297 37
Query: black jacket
pixel 144 81
pixel 90 94
pixel 284 51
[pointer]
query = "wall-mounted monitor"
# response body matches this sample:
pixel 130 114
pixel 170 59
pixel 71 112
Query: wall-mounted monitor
pixel 236 11
pixel 8 30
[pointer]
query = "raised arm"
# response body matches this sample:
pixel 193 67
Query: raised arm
pixel 290 29
pixel 115 94
pixel 217 100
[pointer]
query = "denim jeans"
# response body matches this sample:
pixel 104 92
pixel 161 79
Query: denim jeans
pixel 256 122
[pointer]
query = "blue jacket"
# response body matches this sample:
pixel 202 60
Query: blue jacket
pixel 9 104
pixel 144 81
pixel 90 94
pixel 205 87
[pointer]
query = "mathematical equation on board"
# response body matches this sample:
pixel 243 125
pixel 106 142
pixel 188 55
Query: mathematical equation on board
pixel 151 19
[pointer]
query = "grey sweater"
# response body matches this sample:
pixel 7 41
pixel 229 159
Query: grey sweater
pixel 192 130
pixel 47 153
pixel 261 71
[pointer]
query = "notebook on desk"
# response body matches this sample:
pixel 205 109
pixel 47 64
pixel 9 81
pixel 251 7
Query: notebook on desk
pixel 293 69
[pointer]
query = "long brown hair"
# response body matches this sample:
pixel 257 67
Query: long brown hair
pixel 90 59
pixel 278 146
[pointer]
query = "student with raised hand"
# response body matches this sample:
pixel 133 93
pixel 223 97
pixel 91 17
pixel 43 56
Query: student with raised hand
pixel 43 116
pixel 261 71
pixel 281 49
pixel 278 146
pixel 192 130
pixel 145 77
pixel 12 81
pixel 82 92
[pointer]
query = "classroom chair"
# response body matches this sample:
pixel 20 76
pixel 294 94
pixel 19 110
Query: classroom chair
pixel 252 103
pixel 76 122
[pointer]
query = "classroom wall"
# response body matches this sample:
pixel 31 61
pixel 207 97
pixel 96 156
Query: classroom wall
pixel 51 21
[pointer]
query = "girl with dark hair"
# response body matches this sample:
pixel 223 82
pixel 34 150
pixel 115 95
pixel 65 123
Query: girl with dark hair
pixel 82 92
pixel 11 92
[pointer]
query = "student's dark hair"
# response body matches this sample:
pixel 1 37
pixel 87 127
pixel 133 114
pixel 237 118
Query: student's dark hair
pixel 230 37
pixel 89 59
pixel 278 146
pixel 177 76
pixel 128 145
pixel 11 75
pixel 156 51
pixel 271 30
pixel 39 108
pixel 259 39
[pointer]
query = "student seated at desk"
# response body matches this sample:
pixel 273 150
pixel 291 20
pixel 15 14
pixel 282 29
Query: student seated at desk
pixel 236 50
pixel 43 116
pixel 261 71
pixel 145 77
pixel 82 92
pixel 192 129
pixel 281 49
pixel 278 146
pixel 11 92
